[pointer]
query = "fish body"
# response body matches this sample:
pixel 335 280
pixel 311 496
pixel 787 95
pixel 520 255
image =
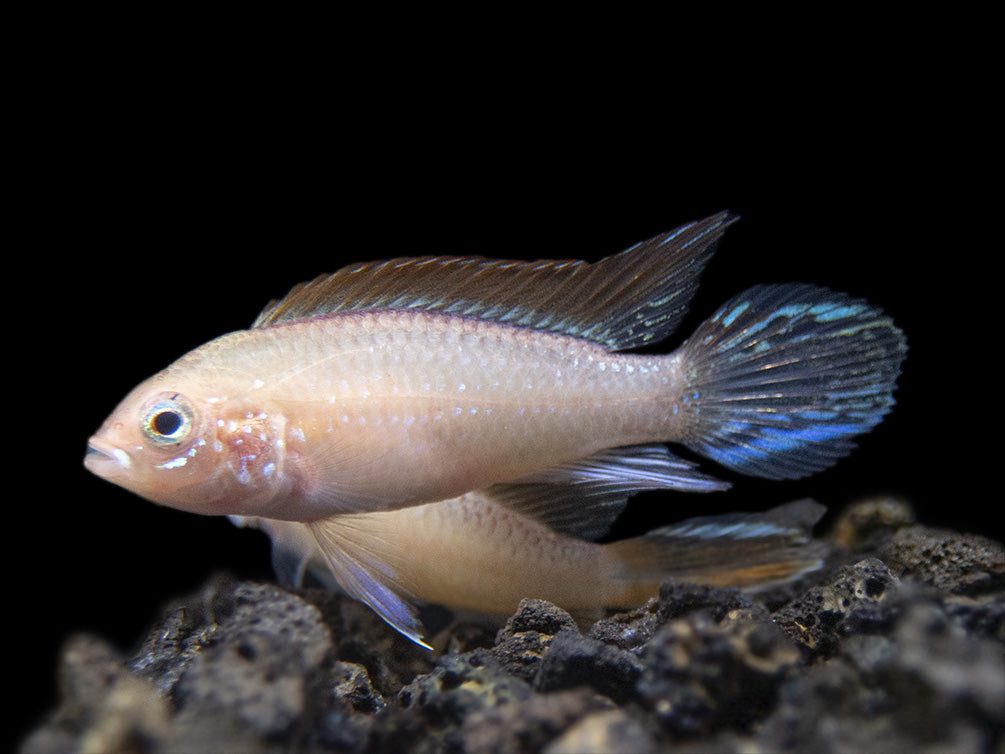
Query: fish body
pixel 411 381
pixel 413 407
pixel 460 395
pixel 483 555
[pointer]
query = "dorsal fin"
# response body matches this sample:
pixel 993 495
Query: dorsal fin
pixel 623 301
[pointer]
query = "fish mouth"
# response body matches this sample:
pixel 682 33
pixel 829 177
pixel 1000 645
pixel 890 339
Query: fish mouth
pixel 104 459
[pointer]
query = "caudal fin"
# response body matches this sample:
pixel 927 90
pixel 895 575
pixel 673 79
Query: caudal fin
pixel 745 550
pixel 782 377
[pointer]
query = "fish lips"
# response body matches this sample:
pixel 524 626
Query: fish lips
pixel 106 460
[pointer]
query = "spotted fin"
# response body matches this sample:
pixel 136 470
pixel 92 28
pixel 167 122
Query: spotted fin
pixel 626 300
pixel 782 377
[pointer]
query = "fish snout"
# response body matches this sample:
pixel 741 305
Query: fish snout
pixel 104 459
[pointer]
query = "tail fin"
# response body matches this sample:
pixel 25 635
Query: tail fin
pixel 782 377
pixel 739 549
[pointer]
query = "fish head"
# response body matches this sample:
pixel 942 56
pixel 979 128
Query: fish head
pixel 176 443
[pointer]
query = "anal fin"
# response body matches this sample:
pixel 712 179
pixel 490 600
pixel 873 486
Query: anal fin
pixel 583 498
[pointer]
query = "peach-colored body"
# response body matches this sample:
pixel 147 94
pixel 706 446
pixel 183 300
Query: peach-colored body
pixel 482 556
pixel 385 409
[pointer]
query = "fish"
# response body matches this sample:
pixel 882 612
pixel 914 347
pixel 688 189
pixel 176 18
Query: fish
pixel 481 555
pixel 432 387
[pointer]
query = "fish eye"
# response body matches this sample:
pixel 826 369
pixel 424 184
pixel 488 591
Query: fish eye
pixel 168 421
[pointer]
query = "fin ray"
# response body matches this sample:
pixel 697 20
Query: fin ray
pixel 738 549
pixel 623 301
pixel 782 378
pixel 583 498
pixel 357 564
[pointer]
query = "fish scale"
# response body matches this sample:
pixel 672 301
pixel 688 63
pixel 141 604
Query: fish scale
pixel 446 396
pixel 456 430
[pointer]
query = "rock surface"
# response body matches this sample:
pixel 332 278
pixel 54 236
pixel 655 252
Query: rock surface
pixel 899 646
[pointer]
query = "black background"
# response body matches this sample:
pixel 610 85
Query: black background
pixel 161 214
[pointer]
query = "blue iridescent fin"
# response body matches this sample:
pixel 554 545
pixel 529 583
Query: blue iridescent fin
pixel 782 378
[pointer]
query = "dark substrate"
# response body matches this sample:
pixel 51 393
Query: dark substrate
pixel 898 645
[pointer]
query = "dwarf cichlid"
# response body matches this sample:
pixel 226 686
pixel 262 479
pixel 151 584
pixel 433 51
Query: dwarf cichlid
pixel 401 411
pixel 481 554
